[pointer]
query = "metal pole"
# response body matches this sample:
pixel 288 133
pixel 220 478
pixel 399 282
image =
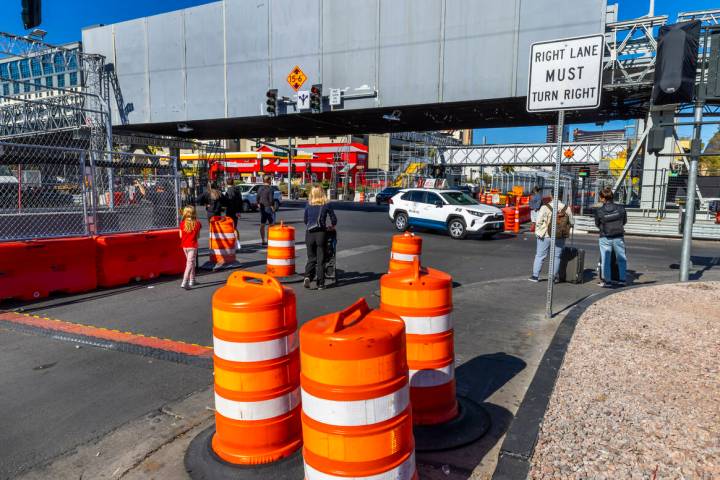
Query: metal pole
pixel 553 223
pixel 290 162
pixel 690 203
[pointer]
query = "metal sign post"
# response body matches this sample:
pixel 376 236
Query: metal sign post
pixel 690 201
pixel 564 74
pixel 553 229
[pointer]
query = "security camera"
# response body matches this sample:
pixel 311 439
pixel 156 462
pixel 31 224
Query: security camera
pixel 184 128
pixel 393 117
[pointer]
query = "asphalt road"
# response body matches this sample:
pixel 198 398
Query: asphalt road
pixel 59 394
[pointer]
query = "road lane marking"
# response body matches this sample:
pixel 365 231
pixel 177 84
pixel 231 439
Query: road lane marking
pixel 111 339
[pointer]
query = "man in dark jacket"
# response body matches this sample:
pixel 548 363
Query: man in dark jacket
pixel 233 203
pixel 213 201
pixel 610 220
pixel 265 203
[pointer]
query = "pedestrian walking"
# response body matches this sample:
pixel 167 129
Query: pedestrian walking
pixel 265 203
pixel 316 229
pixel 233 205
pixel 543 232
pixel 189 233
pixel 610 219
pixel 213 201
pixel 536 202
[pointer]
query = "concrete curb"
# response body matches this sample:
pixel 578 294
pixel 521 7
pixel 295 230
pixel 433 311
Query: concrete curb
pixel 520 440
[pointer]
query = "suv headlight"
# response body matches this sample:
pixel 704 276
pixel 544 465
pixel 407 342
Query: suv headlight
pixel 476 214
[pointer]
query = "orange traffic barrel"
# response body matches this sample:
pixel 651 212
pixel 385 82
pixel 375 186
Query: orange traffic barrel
pixel 422 297
pixel 257 381
pixel 406 247
pixel 223 244
pixel 281 252
pixel 356 414
pixel 516 225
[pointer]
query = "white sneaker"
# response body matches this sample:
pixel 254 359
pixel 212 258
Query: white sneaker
pixel 183 285
pixel 191 283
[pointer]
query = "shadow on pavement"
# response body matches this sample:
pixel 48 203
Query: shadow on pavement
pixel 477 379
pixel 707 263
pixel 350 278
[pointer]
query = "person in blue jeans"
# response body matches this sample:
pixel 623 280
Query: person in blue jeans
pixel 610 220
pixel 543 233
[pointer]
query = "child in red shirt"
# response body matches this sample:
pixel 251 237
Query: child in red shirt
pixel 189 233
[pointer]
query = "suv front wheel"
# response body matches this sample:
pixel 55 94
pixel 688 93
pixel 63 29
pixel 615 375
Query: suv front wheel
pixel 456 228
pixel 401 221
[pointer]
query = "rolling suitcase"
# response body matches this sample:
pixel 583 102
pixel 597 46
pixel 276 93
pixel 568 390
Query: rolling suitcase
pixel 572 265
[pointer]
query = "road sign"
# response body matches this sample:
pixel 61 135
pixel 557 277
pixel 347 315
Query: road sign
pixel 335 97
pixel 296 78
pixel 303 100
pixel 565 74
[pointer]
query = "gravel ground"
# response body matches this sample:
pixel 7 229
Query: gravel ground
pixel 638 396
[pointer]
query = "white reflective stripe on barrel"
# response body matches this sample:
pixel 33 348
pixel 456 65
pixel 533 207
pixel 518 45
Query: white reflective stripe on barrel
pixel 261 410
pixel 404 471
pixel 281 261
pixel 223 252
pixel 255 351
pixel 281 243
pixel 403 257
pixel 428 325
pixel 432 378
pixel 222 236
pixel 353 413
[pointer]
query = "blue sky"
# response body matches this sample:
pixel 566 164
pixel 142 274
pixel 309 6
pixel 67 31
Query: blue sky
pixel 64 19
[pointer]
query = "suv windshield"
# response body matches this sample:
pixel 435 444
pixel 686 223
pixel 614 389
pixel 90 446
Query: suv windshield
pixel 458 198
pixel 245 188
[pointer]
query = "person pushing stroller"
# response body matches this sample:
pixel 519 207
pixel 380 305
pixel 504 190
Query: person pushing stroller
pixel 316 236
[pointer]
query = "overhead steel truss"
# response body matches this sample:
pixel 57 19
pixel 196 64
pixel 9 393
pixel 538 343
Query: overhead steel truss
pixel 81 108
pixel 541 154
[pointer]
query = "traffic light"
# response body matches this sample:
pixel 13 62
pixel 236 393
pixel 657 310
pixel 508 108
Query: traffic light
pixel 584 172
pixel 31 13
pixel 272 102
pixel 676 63
pixel 316 98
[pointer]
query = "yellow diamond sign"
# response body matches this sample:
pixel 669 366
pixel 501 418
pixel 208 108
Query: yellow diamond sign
pixel 296 78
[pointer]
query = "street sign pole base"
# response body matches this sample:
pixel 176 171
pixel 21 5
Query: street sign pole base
pixel 201 463
pixel 470 425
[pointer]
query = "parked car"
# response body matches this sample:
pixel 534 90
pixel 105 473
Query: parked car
pixel 452 211
pixel 384 195
pixel 249 194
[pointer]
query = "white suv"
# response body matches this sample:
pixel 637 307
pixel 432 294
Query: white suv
pixel 449 210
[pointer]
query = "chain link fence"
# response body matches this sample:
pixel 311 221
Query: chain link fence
pixel 50 191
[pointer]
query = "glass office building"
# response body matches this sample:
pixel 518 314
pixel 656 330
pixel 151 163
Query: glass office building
pixel 39 76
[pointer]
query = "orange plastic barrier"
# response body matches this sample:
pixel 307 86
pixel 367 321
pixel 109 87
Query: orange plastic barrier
pixel 257 370
pixel 35 268
pixel 281 251
pixel 516 225
pixel 361 197
pixel 422 297
pixel 124 257
pixel 355 405
pixel 223 241
pixel 406 247
pixel 509 214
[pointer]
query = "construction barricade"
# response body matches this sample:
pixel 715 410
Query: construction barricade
pixel 422 297
pixel 124 257
pixel 281 253
pixel 406 247
pixel 356 415
pixel 257 384
pixel 223 244
pixel 33 269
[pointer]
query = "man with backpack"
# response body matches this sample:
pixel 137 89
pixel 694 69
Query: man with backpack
pixel 610 220
pixel 543 232
pixel 233 203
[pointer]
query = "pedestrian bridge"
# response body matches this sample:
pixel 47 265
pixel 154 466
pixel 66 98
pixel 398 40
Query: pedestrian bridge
pixel 401 64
